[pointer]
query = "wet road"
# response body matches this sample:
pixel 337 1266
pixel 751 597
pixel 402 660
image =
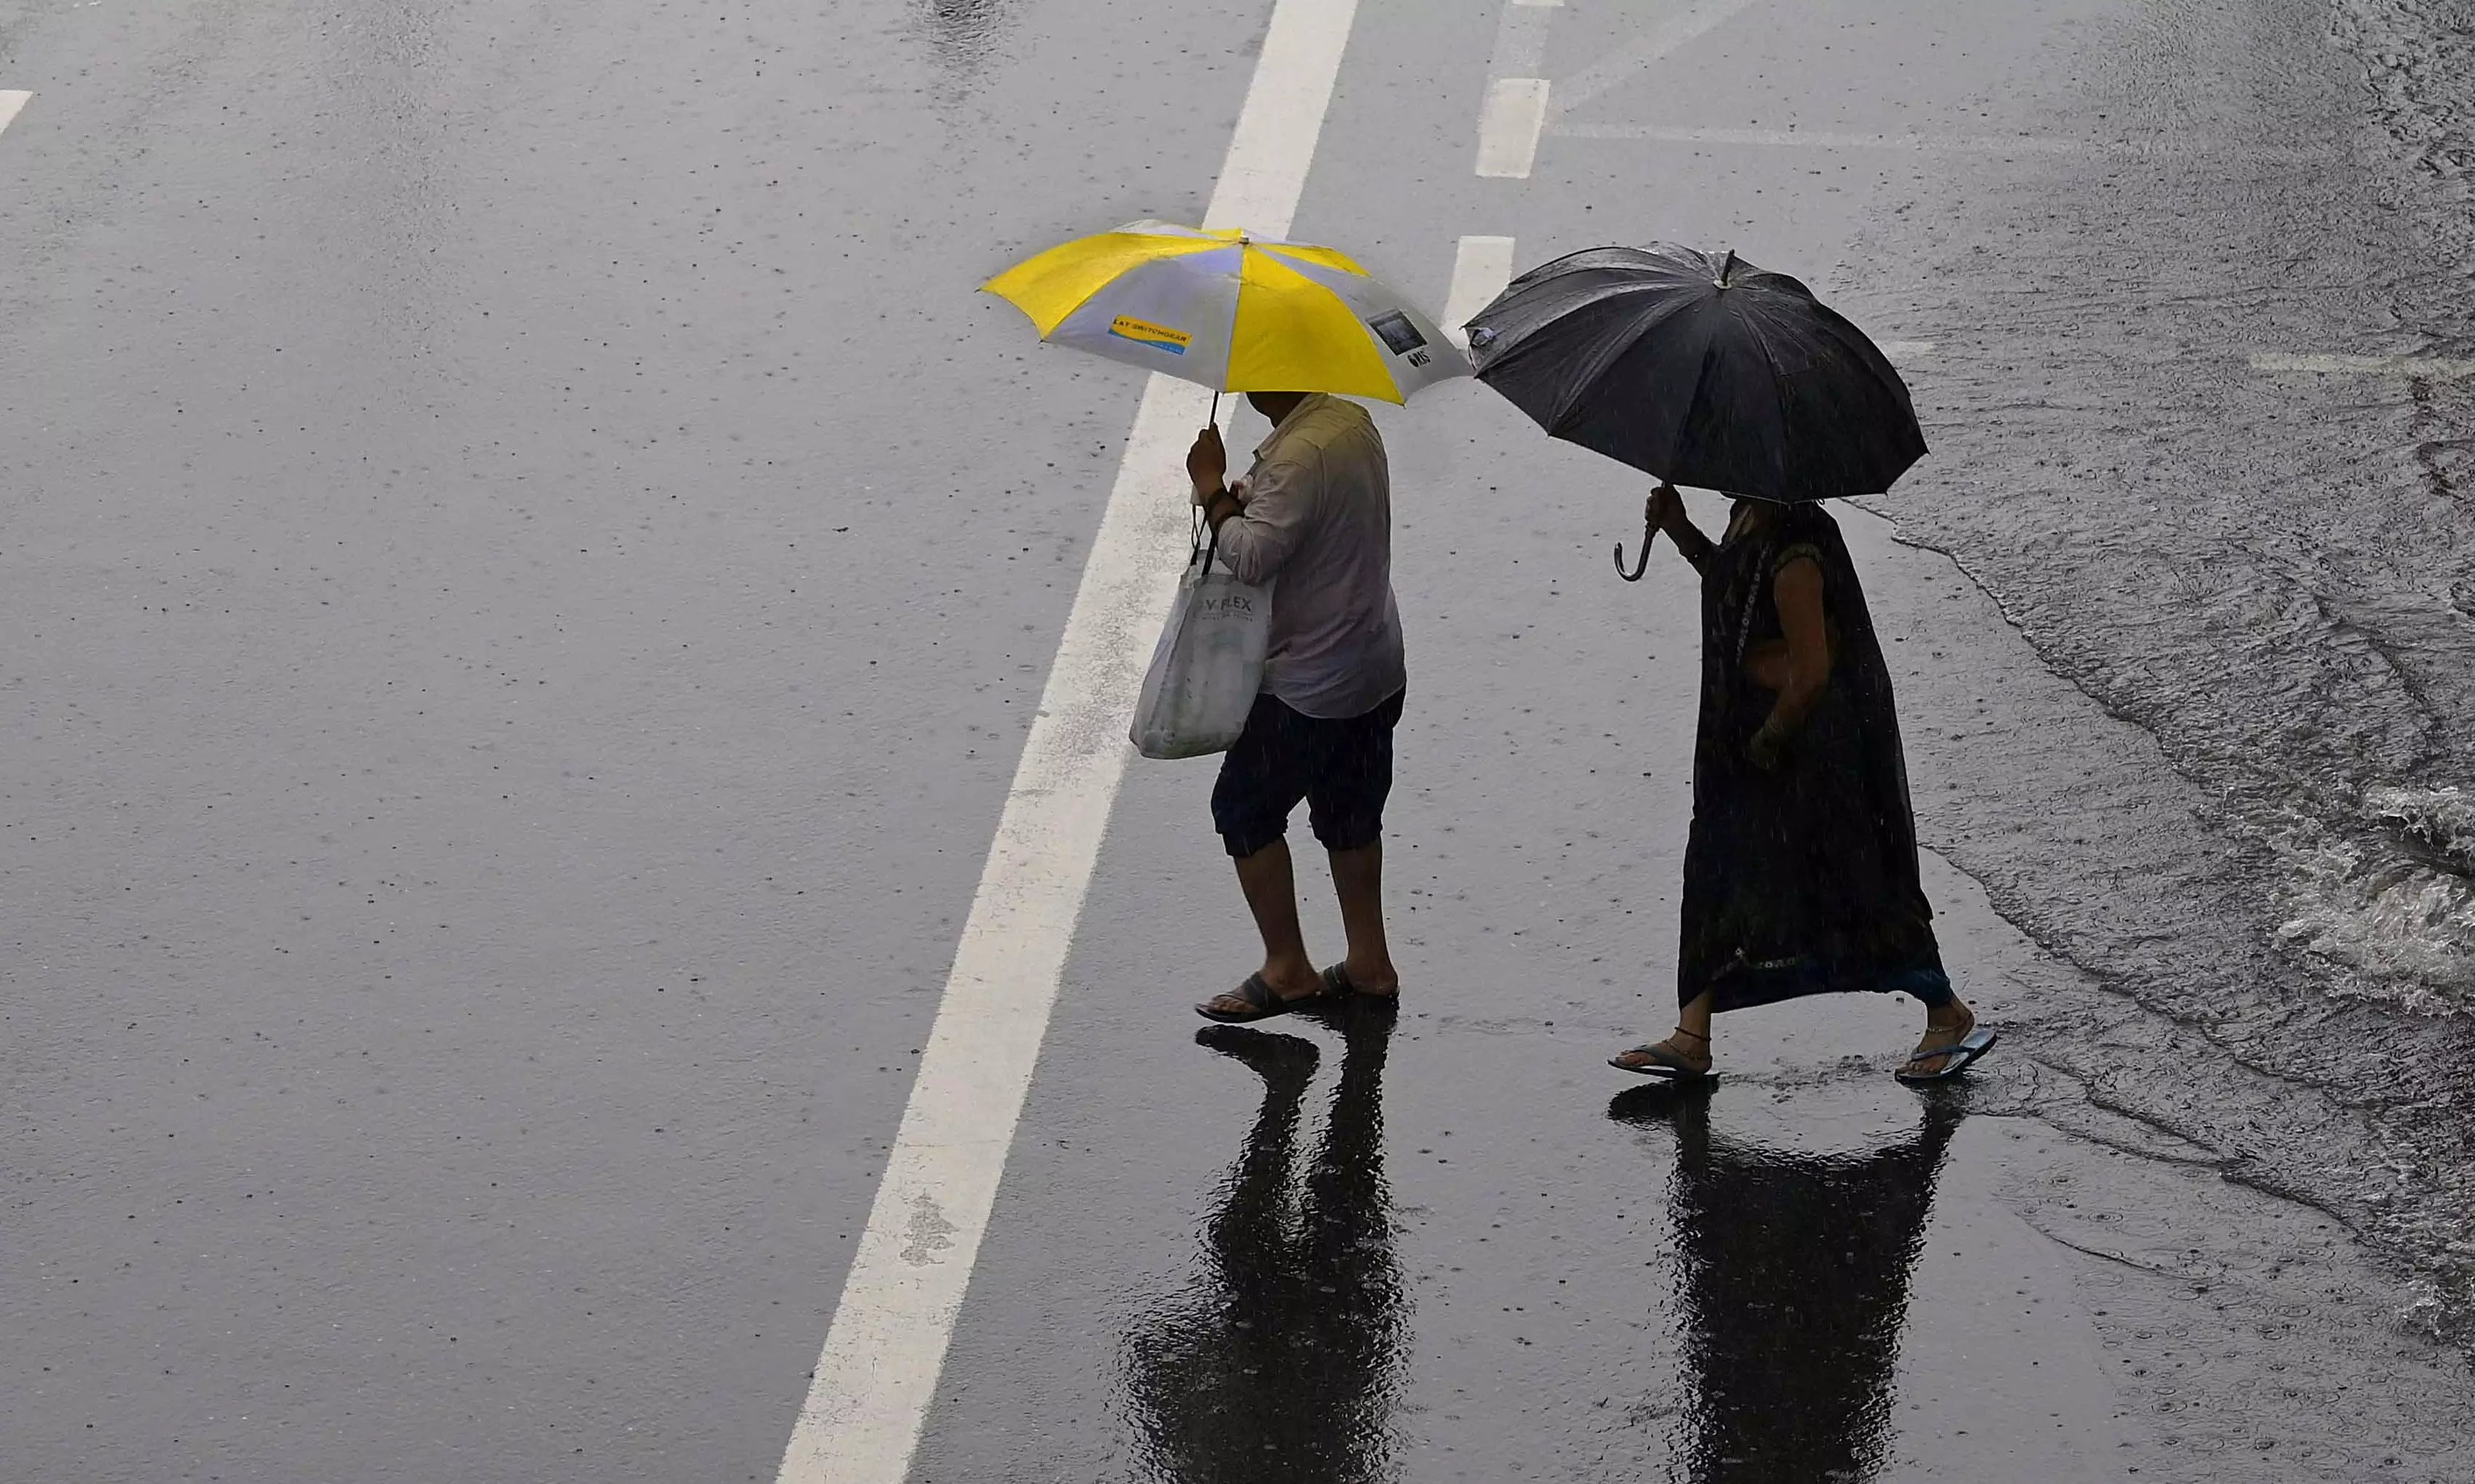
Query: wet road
pixel 529 571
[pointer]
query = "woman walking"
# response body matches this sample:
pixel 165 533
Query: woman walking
pixel 1800 875
pixel 1801 872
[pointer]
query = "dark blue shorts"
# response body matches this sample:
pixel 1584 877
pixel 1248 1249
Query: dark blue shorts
pixel 1342 769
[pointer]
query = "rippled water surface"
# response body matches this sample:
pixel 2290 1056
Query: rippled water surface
pixel 2270 574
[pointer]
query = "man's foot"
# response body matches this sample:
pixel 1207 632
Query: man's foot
pixel 1373 985
pixel 1946 1047
pixel 1264 995
pixel 1683 1055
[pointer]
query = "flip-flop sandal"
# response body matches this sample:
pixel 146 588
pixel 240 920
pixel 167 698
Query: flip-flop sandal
pixel 1263 1001
pixel 1669 1065
pixel 1957 1058
pixel 1337 983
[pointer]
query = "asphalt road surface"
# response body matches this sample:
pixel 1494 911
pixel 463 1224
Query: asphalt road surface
pixel 529 573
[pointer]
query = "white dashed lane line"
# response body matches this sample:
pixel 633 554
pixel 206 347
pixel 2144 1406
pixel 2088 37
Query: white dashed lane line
pixel 1515 113
pixel 1508 131
pixel 10 101
pixel 1480 269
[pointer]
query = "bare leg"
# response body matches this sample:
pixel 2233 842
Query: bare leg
pixel 1357 878
pixel 1273 895
pixel 1691 1042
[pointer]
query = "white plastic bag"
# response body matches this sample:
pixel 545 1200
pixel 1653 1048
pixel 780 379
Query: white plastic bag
pixel 1208 667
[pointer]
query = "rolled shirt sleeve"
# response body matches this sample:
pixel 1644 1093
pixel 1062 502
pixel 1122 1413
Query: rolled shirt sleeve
pixel 1259 541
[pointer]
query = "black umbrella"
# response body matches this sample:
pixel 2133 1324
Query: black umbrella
pixel 1700 370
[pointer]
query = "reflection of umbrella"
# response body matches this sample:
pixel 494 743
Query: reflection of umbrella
pixel 1702 370
pixel 1231 311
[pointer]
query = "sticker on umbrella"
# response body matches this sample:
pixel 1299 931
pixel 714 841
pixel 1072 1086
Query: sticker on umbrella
pixel 1160 337
pixel 1400 336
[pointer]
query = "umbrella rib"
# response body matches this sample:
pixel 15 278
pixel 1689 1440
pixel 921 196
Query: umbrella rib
pixel 1778 393
pixel 1702 382
pixel 1661 311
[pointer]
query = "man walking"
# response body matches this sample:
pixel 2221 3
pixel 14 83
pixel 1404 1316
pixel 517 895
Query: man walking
pixel 1316 513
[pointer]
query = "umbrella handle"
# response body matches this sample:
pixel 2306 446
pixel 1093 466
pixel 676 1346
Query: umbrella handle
pixel 1648 532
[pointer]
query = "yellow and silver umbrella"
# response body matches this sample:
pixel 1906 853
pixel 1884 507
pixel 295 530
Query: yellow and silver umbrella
pixel 1231 311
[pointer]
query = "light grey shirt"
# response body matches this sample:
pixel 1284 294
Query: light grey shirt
pixel 1318 524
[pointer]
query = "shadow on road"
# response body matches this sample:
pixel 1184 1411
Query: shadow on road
pixel 1283 1362
pixel 1792 1281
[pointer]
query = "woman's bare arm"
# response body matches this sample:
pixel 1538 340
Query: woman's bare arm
pixel 1796 590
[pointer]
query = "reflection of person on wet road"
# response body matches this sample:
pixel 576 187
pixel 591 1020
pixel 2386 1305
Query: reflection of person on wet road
pixel 1793 1277
pixel 1283 1364
pixel 1800 875
pixel 1314 518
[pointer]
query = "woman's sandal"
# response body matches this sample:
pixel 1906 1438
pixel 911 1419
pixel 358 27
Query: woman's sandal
pixel 1665 1062
pixel 1956 1057
pixel 1263 1001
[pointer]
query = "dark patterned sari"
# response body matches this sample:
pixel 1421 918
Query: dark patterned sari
pixel 1800 879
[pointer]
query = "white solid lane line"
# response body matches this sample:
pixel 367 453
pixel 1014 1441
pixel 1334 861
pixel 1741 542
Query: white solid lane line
pixel 1281 122
pixel 10 101
pixel 1508 131
pixel 1481 267
pixel 2430 368
pixel 877 1376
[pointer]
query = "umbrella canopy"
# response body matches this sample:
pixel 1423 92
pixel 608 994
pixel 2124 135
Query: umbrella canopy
pixel 1231 311
pixel 1702 370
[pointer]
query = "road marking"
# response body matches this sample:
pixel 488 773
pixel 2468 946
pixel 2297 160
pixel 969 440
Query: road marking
pixel 1281 120
pixel 2432 368
pixel 10 101
pixel 1520 42
pixel 874 1382
pixel 1482 266
pixel 1622 67
pixel 1904 350
pixel 1515 111
pixel 1508 130
pixel 1929 144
